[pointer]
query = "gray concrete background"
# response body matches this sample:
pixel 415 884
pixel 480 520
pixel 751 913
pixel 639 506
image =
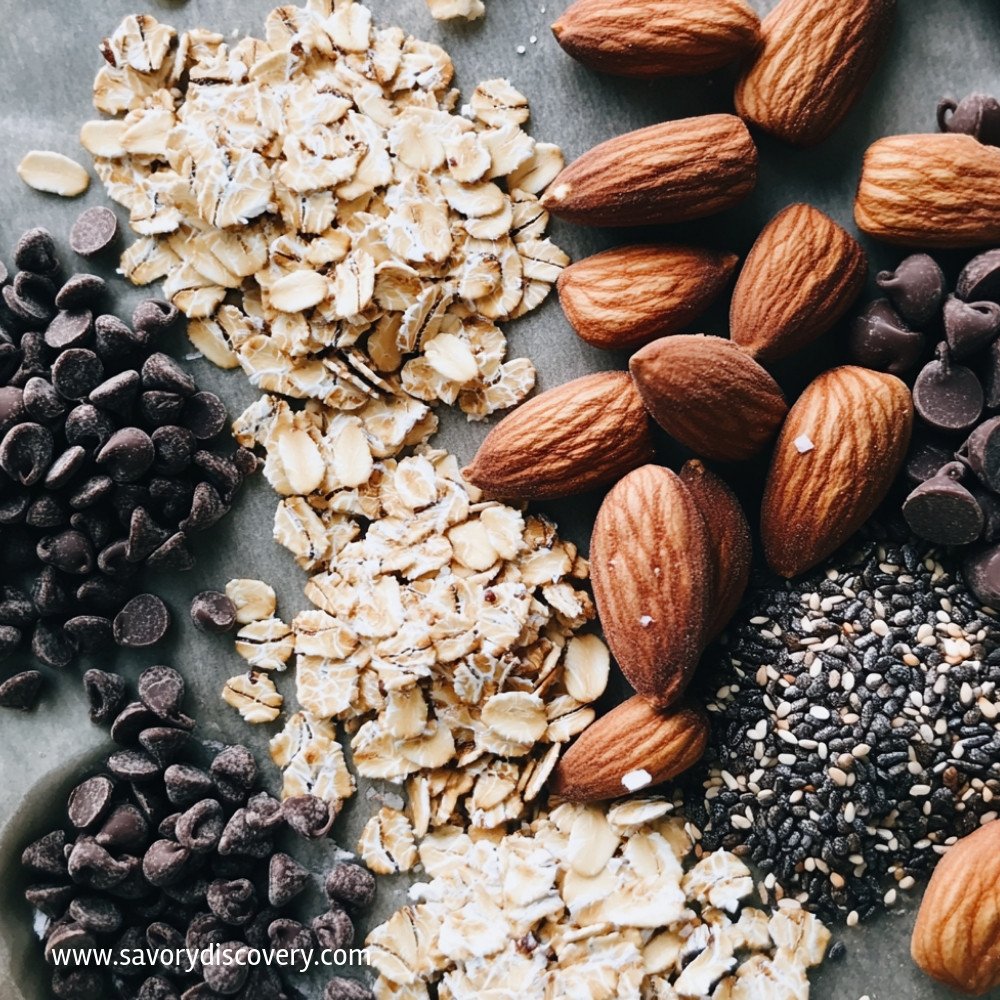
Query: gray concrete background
pixel 48 55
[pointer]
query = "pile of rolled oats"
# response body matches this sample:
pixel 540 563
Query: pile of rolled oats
pixel 374 235
pixel 443 634
pixel 591 903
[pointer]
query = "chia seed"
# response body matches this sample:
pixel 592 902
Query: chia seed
pixel 855 727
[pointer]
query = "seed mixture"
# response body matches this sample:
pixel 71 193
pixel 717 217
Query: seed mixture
pixel 376 236
pixel 588 902
pixel 855 728
pixel 162 853
pixel 111 460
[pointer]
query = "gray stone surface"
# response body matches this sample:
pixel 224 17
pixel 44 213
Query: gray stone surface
pixel 48 52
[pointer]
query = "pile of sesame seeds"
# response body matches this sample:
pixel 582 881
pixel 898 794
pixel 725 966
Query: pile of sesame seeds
pixel 856 728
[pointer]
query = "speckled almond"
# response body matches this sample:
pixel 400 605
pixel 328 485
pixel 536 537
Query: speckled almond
pixel 651 567
pixel 709 395
pixel 635 742
pixel 729 540
pixel 930 191
pixel 650 38
pixel 576 437
pixel 841 448
pixel 630 295
pixel 674 172
pixel 803 273
pixel 816 59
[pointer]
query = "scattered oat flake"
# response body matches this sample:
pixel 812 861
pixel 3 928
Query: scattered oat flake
pixel 53 173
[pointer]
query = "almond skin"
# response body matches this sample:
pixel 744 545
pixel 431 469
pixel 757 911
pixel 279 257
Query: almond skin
pixel 629 296
pixel 709 395
pixel 673 172
pixel 578 436
pixel 803 273
pixel 729 540
pixel 632 737
pixel 958 926
pixel 839 451
pixel 651 568
pixel 816 59
pixel 650 38
pixel 930 191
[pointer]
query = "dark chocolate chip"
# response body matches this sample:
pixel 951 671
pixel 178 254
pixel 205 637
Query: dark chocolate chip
pixel 50 645
pixel 118 393
pixel 89 801
pixel 233 902
pixel 173 554
pixel 350 885
pixel 41 401
pixel 948 396
pixel 245 462
pixel 77 372
pixel 88 427
pixel 113 560
pixel 125 829
pixel 163 743
pixel 943 511
pixel 145 535
pixel 105 693
pixel 30 299
pixel 165 861
pixel 46 512
pixel 212 611
pixel 11 407
pixel 151 803
pixel 264 812
pixel 235 772
pixel 880 340
pixel 21 691
pixel 970 326
pixel 89 632
pixel 10 639
pixel 340 988
pixel 69 329
pixel 916 289
pixel 161 690
pixel 102 594
pixel 206 509
pixel 239 839
pixel 51 900
pixel 98 526
pixel 33 360
pixel 77 984
pixel 14 509
pixel 131 721
pixel 204 415
pixel 977 115
pixel 26 452
pixel 333 929
pixel 154 316
pixel 94 231
pixel 229 969
pixel 47 855
pixel 170 498
pixel 223 474
pixel 133 765
pixel 160 371
pixel 175 447
pixel 288 934
pixel 981 452
pixel 157 988
pixel 286 878
pixel 201 826
pixel 187 784
pixel 981 570
pixel 308 815
pixel 115 343
pixel 125 497
pixel 91 865
pixel 80 292
pixel 16 608
pixel 65 467
pixel 980 278
pixel 90 492
pixel 142 622
pixel 94 914
pixel 36 251
pixel 69 552
pixel 127 455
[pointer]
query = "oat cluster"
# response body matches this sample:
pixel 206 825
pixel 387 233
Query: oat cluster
pixel 446 10
pixel 374 235
pixel 588 902
pixel 443 635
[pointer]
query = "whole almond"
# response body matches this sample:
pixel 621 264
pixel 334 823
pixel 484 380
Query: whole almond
pixel 839 451
pixel 958 926
pixel 709 395
pixel 673 172
pixel 816 59
pixel 651 567
pixel 930 191
pixel 729 541
pixel 634 742
pixel 803 273
pixel 578 436
pixel 631 295
pixel 649 38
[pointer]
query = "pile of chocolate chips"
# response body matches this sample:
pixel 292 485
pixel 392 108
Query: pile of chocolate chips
pixel 106 460
pixel 954 461
pixel 164 854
